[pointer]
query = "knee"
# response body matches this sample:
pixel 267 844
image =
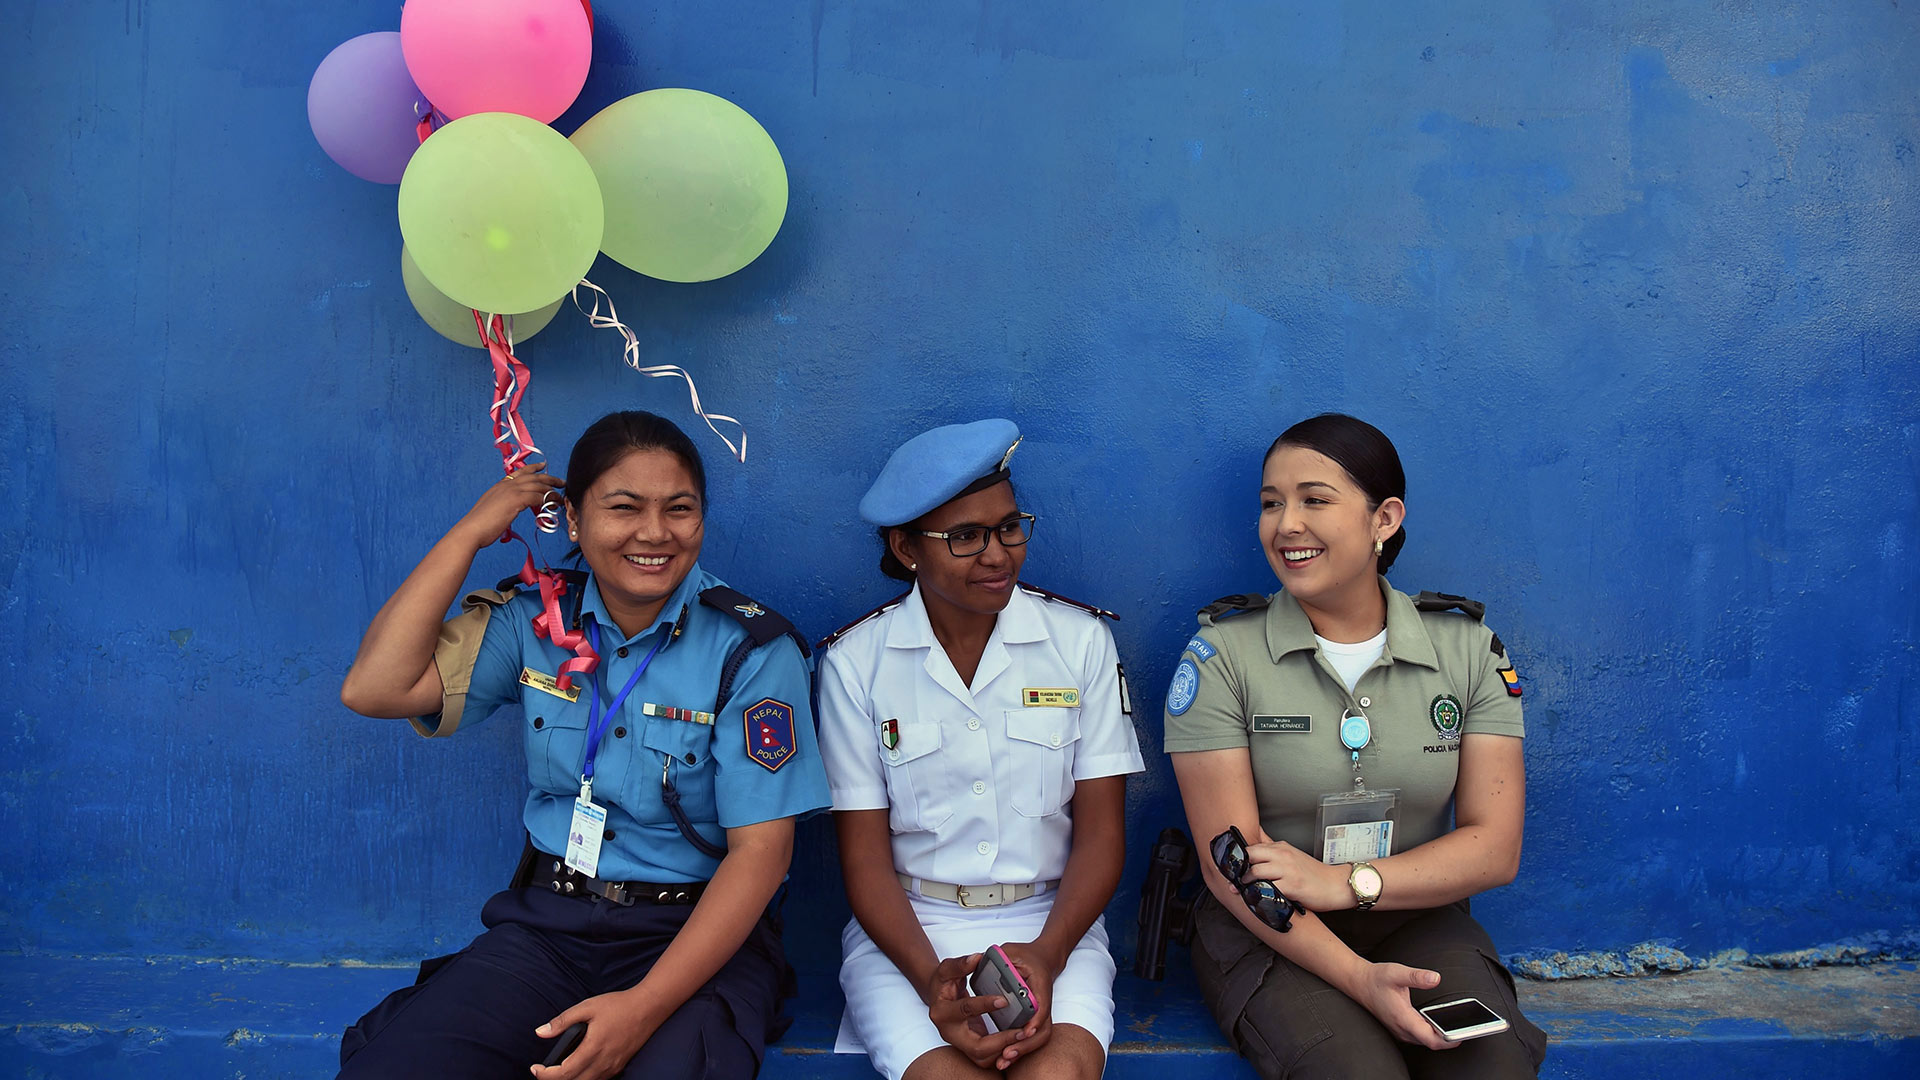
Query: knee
pixel 1349 1053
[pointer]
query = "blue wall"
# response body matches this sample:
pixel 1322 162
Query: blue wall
pixel 1633 285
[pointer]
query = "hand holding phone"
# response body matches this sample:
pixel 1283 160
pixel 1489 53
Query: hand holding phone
pixel 1463 1018
pixel 569 1041
pixel 996 976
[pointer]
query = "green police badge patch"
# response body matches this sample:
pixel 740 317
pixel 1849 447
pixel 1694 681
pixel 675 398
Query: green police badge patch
pixel 1446 716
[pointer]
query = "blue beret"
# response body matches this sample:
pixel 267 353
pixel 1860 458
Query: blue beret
pixel 936 466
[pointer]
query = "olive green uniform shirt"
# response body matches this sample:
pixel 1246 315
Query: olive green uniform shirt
pixel 1256 679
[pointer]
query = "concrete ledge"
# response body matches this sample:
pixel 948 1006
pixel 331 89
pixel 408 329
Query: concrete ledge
pixel 75 1018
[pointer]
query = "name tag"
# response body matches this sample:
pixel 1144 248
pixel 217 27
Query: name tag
pixel 1283 723
pixel 1050 697
pixel 547 684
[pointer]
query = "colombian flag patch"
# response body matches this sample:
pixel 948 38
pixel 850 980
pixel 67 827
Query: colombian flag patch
pixel 1512 679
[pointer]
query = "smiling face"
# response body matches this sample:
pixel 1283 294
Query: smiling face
pixel 975 584
pixel 639 527
pixel 1318 530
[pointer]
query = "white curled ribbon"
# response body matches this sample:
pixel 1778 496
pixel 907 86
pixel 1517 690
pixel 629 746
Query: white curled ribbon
pixel 631 355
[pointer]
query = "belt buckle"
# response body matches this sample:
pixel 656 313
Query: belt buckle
pixel 961 893
pixel 617 892
pixel 994 898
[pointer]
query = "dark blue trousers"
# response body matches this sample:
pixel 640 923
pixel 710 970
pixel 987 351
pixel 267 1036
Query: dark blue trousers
pixel 472 1014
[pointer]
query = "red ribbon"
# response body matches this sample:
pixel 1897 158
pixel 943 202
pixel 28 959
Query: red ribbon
pixel 551 625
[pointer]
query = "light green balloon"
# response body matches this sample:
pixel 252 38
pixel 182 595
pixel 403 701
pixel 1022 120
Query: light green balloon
pixel 455 321
pixel 500 212
pixel 695 188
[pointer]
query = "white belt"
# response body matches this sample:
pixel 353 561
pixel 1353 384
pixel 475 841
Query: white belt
pixel 975 896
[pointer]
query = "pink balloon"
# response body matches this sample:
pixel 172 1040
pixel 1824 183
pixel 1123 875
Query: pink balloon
pixel 519 56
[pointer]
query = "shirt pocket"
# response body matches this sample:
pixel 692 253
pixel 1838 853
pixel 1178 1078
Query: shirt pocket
pixel 684 751
pixel 1041 744
pixel 556 740
pixel 919 796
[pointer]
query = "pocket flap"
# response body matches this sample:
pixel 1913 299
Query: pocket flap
pixel 1053 728
pixel 912 738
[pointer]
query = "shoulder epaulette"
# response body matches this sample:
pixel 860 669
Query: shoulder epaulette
pixel 874 614
pixel 570 600
pixel 1069 601
pixel 1439 601
pixel 1226 606
pixel 762 624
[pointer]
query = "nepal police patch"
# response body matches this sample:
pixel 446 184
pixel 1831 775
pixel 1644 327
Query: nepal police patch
pixel 1186 684
pixel 1447 716
pixel 770 738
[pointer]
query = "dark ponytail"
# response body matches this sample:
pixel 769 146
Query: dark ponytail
pixel 1367 455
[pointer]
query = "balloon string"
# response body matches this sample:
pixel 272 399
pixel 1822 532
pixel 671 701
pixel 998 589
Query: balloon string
pixel 631 355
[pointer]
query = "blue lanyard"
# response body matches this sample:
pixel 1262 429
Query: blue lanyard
pixel 597 720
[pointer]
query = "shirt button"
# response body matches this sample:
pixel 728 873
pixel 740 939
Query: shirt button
pixel 692 760
pixel 983 847
pixel 893 755
pixel 973 723
pixel 539 722
pixel 1366 703
pixel 979 787
pixel 609 834
pixel 619 733
pixel 1056 740
pixel 623 651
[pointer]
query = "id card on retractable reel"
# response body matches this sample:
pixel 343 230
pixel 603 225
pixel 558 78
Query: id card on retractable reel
pixel 1357 825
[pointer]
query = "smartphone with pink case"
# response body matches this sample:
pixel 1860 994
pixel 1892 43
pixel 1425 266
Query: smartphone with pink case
pixel 997 977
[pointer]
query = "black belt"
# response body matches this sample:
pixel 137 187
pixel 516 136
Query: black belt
pixel 555 874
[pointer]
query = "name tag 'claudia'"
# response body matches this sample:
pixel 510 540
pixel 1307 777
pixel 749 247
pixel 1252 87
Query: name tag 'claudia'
pixel 547 684
pixel 1283 723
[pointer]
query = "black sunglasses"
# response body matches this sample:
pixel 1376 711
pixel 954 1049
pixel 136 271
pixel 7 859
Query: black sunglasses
pixel 1264 898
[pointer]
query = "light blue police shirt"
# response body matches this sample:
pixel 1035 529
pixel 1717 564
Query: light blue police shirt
pixel 721 783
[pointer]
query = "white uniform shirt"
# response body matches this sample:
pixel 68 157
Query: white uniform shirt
pixel 976 783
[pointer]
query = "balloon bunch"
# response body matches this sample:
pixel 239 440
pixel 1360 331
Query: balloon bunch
pixel 501 216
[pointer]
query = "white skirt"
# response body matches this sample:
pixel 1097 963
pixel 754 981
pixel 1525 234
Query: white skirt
pixel 885 1018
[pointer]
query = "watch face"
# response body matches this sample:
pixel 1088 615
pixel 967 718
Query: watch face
pixel 1366 881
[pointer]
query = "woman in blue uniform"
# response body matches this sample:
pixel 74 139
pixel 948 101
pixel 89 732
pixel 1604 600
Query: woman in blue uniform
pixel 664 784
pixel 978 743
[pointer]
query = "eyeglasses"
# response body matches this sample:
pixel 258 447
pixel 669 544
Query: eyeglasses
pixel 1263 898
pixel 967 542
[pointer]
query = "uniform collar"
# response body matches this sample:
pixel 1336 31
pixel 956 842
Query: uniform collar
pixel 1018 624
pixel 672 613
pixel 1288 629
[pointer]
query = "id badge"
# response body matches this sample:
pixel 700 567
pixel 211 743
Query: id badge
pixel 584 835
pixel 1357 826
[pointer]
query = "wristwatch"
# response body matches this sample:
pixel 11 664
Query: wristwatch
pixel 1364 880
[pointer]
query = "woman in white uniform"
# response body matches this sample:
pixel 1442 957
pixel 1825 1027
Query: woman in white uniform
pixel 977 740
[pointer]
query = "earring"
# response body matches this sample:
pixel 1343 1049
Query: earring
pixel 913 566
pixel 573 534
pixel 1379 547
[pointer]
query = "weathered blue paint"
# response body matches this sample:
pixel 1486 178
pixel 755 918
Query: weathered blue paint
pixel 1634 286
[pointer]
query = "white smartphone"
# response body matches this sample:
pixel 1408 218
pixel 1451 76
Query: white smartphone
pixel 1464 1018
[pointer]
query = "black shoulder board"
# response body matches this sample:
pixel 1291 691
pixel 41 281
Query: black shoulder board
pixel 1439 601
pixel 881 610
pixel 1069 601
pixel 761 623
pixel 1237 604
pixel 569 601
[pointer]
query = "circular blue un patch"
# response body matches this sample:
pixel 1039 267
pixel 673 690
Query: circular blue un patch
pixel 1186 683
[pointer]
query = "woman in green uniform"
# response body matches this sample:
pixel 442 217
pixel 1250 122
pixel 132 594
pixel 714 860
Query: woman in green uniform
pixel 1335 724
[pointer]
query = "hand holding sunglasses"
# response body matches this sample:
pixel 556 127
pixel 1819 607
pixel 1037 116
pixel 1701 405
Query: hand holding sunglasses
pixel 1264 898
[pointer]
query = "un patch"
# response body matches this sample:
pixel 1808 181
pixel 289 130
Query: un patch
pixel 1185 685
pixel 770 738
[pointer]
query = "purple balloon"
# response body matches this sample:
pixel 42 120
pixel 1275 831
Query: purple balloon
pixel 364 107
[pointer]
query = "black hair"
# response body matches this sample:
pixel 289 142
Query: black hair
pixel 615 435
pixel 893 567
pixel 1367 455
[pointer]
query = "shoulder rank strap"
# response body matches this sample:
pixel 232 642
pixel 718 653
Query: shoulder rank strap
pixel 1229 606
pixel 874 614
pixel 1439 601
pixel 569 601
pixel 1036 590
pixel 761 624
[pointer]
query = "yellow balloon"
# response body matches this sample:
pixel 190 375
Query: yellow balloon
pixel 694 188
pixel 455 321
